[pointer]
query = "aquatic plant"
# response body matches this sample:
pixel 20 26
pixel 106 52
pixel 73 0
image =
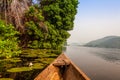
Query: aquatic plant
pixel 19 69
pixel 37 66
pixel 6 79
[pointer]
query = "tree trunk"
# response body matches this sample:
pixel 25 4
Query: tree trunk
pixel 12 11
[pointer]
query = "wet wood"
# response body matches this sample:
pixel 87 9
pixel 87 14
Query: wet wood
pixel 62 69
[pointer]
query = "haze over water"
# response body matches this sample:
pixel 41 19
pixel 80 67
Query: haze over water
pixel 97 63
pixel 96 19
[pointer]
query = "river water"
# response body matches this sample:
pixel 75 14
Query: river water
pixel 96 63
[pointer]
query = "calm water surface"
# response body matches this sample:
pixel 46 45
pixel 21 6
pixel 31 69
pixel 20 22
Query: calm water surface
pixel 97 63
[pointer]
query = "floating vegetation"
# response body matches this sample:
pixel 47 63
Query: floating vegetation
pixel 45 60
pixel 34 51
pixel 30 55
pixel 6 79
pixel 20 69
pixel 41 53
pixel 39 58
pixel 38 66
pixel 8 65
pixel 14 60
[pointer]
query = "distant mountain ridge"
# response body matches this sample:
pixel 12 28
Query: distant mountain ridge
pixel 106 42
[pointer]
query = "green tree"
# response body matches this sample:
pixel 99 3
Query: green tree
pixel 35 29
pixel 8 41
pixel 41 26
pixel 59 16
pixel 60 13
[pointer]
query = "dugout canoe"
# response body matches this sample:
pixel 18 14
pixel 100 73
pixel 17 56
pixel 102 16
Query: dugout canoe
pixel 62 68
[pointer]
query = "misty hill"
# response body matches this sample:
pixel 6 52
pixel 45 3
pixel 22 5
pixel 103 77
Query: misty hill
pixel 74 44
pixel 106 42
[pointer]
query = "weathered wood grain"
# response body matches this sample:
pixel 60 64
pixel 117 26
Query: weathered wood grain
pixel 62 69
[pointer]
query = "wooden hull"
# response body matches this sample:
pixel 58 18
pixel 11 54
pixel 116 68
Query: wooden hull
pixel 62 69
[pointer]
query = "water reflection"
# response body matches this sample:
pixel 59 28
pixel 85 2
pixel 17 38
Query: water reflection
pixel 97 63
pixel 111 55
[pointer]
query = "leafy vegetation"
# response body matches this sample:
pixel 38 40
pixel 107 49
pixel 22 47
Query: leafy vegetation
pixel 23 24
pixel 20 66
pixel 59 16
pixel 36 30
pixel 8 41
pixel 46 25
pixel 42 25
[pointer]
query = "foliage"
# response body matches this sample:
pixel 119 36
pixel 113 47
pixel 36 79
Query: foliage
pixel 40 26
pixel 58 16
pixel 34 14
pixel 35 29
pixel 8 41
pixel 60 13
pixel 45 25
pixel 56 37
pixel 20 66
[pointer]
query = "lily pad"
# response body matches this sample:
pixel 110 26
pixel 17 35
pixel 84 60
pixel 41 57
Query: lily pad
pixel 14 60
pixel 38 66
pixel 8 65
pixel 6 79
pixel 20 69
pixel 45 60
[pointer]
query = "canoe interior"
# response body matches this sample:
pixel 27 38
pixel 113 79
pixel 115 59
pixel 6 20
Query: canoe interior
pixel 64 72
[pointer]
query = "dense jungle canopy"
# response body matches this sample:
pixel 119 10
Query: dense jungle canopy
pixel 35 24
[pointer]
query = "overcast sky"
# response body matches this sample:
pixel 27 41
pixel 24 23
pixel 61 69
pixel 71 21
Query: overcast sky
pixel 96 19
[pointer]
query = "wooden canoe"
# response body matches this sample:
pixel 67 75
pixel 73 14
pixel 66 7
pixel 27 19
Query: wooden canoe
pixel 62 69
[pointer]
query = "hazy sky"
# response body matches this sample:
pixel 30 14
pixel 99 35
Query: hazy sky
pixel 96 19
